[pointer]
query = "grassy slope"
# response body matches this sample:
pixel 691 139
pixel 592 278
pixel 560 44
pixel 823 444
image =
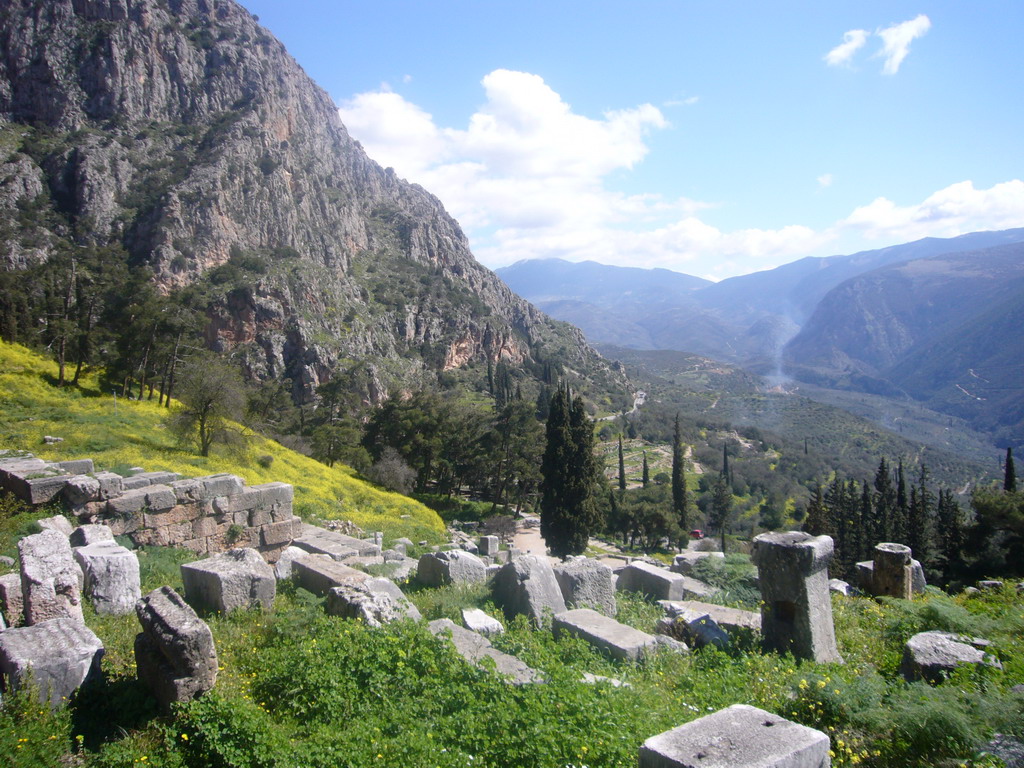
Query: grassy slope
pixel 134 435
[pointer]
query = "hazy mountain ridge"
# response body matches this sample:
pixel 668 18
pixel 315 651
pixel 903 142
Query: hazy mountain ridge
pixel 867 322
pixel 183 131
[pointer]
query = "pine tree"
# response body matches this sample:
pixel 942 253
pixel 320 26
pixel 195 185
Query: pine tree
pixel 920 522
pixel 721 507
pixel 1009 473
pixel 568 513
pixel 680 497
pixel 645 478
pixel 883 519
pixel 622 467
pixel 902 510
pixel 816 521
pixel 951 535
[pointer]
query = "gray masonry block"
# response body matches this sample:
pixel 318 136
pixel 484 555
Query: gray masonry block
pixel 527 586
pixel 111 576
pixel 61 654
pixel 239 578
pixel 90 533
pixel 41 490
pixel 320 541
pixel 933 656
pixel 111 484
pixel 174 654
pixel 221 485
pixel 617 640
pixel 455 566
pixel 374 601
pixel 81 489
pixel 652 581
pixel 739 736
pixel 586 583
pixel 321 573
pixel 51 580
pixel 57 523
pixel 11 600
pixel 477 621
pixel 77 466
pixel 474 648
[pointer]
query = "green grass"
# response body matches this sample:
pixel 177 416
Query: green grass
pixel 133 434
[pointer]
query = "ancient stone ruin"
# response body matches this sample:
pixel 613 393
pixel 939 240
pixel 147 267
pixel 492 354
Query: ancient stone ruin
pixel 60 654
pixel 892 573
pixel 225 582
pixel 205 514
pixel 51 581
pixel 174 654
pixel 739 736
pixel 796 609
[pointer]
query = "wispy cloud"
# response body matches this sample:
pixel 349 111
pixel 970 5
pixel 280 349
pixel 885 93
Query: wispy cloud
pixel 841 55
pixel 825 180
pixel 896 41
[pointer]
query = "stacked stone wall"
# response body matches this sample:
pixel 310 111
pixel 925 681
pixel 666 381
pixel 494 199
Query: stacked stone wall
pixel 205 514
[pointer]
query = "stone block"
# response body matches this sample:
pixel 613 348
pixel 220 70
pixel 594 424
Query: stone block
pixel 111 484
pixel 320 541
pixel 77 466
pixel 187 491
pixel 321 573
pixel 90 533
pixel 81 489
pixel 41 490
pixel 586 583
pixel 527 586
pixel 374 601
pixel 456 566
pixel 51 581
pixel 489 545
pixel 796 608
pixel 474 648
pixel 892 575
pixel 283 565
pixel 696 628
pixel 173 515
pixel 159 477
pixel 652 581
pixel 130 502
pixel 221 484
pixel 11 600
pixel 933 656
pixel 62 654
pixel 732 620
pixel 276 534
pixel 111 576
pixel 239 578
pixel 683 562
pixel 174 654
pixel 477 621
pixel 739 736
pixel 135 482
pixel 57 523
pixel 617 640
pixel 203 527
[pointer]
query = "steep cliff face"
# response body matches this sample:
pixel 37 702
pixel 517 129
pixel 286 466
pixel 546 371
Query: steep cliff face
pixel 184 131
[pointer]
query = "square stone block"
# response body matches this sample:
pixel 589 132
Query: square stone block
pixel 61 654
pixel 739 736
pixel 239 578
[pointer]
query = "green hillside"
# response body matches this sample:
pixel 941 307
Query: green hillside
pixel 123 434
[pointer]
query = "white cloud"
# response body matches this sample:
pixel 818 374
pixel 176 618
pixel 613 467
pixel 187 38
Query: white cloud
pixel 527 177
pixel 842 54
pixel 955 210
pixel 896 41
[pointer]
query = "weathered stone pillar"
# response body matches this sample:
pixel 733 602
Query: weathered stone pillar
pixel 796 609
pixel 893 575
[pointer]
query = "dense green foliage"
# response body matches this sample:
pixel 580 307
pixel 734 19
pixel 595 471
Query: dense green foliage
pixel 568 510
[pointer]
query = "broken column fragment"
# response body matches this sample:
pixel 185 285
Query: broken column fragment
pixel 174 654
pixel 796 608
pixel 51 581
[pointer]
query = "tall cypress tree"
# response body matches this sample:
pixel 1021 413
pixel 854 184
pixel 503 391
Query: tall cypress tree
pixel 1009 473
pixel 680 498
pixel 622 467
pixel 920 520
pixel 725 461
pixel 902 513
pixel 568 513
pixel 816 521
pixel 645 478
pixel 951 535
pixel 883 519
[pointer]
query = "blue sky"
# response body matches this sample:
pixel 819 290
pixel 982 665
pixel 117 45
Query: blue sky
pixel 714 138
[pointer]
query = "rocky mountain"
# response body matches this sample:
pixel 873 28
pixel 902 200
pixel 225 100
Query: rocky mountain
pixel 183 133
pixel 746 319
pixel 944 330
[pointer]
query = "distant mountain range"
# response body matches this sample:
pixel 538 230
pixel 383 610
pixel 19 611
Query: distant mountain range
pixel 936 320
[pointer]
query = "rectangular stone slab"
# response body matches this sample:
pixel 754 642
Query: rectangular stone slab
pixel 657 583
pixel 320 573
pixel 618 640
pixel 473 648
pixel 739 736
pixel 62 654
pixel 320 541
pixel 729 619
